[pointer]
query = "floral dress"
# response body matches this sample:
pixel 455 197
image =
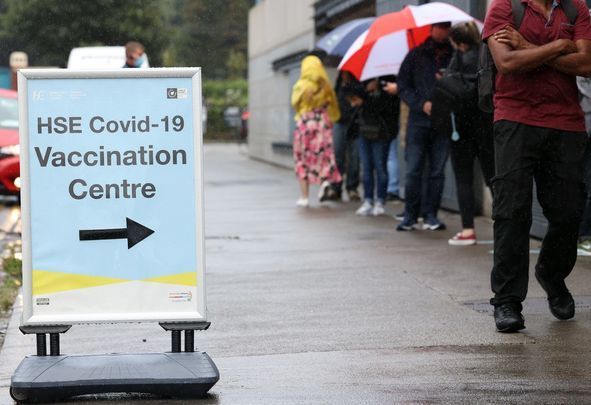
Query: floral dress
pixel 312 148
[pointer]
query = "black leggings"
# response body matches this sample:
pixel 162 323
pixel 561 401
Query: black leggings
pixel 476 141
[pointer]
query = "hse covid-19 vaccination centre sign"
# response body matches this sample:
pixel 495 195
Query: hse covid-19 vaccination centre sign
pixel 112 195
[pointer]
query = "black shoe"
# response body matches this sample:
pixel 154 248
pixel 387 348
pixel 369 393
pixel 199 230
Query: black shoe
pixel 327 192
pixel 392 197
pixel 508 318
pixel 562 306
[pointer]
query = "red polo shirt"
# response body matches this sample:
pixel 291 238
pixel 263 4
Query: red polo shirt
pixel 542 97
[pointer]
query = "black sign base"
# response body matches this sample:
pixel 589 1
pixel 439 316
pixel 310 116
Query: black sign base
pixel 172 375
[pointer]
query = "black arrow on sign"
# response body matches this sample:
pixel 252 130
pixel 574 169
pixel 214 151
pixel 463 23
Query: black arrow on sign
pixel 134 233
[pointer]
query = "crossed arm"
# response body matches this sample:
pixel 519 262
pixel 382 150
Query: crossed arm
pixel 513 53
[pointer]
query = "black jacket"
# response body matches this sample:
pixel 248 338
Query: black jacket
pixel 379 112
pixel 465 63
pixel 347 111
pixel 417 76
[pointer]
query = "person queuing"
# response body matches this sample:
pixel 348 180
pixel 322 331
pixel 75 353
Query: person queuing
pixel 393 189
pixel 584 246
pixel 539 133
pixel 377 118
pixel 418 74
pixel 316 107
pixel 473 136
pixel 346 145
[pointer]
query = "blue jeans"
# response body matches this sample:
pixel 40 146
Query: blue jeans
pixel 424 144
pixel 346 152
pixel 373 156
pixel 393 171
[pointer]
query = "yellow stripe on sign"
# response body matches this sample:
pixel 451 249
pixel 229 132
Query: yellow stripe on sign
pixel 188 279
pixel 47 282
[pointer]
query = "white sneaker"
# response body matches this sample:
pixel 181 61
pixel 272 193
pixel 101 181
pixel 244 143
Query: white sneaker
pixel 303 202
pixel 378 209
pixel 365 209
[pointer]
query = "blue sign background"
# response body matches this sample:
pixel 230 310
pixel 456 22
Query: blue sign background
pixel 56 217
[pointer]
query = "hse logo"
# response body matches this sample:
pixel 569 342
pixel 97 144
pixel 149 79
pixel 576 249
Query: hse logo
pixel 176 93
pixel 41 95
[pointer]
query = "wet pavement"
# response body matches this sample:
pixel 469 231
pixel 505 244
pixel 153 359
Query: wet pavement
pixel 319 306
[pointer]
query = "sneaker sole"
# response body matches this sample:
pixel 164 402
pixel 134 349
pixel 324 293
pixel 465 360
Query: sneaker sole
pixel 439 227
pixel 461 242
pixel 406 228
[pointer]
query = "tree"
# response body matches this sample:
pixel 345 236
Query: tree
pixel 211 34
pixel 48 29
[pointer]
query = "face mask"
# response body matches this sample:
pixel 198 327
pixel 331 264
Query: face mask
pixel 139 62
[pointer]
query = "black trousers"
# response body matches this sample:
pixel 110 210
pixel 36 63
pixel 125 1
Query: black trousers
pixel 552 158
pixel 476 141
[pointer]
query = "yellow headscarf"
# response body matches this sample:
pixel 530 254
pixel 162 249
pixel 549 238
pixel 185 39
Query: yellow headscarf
pixel 313 90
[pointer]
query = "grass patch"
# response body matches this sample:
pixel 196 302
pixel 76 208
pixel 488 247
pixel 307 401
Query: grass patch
pixel 10 282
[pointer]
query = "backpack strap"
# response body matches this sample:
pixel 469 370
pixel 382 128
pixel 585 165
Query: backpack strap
pixel 518 12
pixel 571 11
pixel 569 8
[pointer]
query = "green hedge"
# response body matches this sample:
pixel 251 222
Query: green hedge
pixel 220 94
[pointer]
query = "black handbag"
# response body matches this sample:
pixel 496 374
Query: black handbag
pixel 369 131
pixel 456 91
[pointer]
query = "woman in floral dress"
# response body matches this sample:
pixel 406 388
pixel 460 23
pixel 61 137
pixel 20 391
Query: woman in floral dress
pixel 315 103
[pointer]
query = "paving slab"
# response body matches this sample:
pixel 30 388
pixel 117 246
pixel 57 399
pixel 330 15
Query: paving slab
pixel 319 305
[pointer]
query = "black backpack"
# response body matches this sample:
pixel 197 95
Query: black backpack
pixel 487 70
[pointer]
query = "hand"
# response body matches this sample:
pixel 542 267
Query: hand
pixel 568 46
pixel 371 86
pixel 391 88
pixel 510 36
pixel 427 107
pixel 355 101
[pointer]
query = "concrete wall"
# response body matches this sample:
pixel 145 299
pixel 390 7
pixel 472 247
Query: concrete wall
pixel 277 28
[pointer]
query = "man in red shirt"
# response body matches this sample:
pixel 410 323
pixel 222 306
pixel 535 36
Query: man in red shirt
pixel 539 134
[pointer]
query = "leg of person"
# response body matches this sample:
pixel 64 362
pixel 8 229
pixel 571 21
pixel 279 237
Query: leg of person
pixel 415 154
pixel 517 152
pixel 304 201
pixel 485 146
pixel 380 156
pixel 462 154
pixel 393 192
pixel 560 189
pixel 367 172
pixel 353 168
pixel 300 146
pixel 438 154
pixel 339 144
pixel 326 167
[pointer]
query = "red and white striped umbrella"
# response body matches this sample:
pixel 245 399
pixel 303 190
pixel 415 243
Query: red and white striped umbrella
pixel 380 50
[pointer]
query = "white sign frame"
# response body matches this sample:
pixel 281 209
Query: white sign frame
pixel 24 76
